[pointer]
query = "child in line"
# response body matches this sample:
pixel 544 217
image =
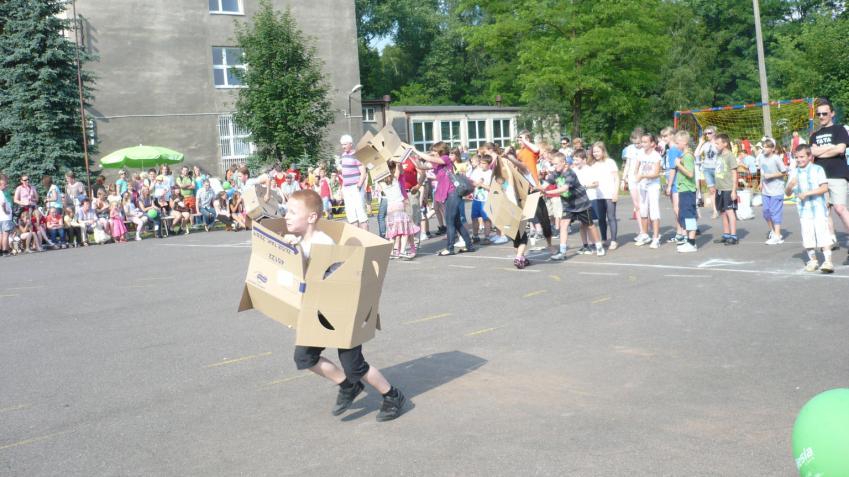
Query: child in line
pixel 399 227
pixel 302 214
pixel 726 189
pixel 685 181
pixel 480 174
pixel 772 187
pixel 810 185
pixel 576 205
pixel 648 180
pixel 588 178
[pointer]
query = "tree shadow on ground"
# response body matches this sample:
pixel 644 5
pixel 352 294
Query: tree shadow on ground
pixel 419 376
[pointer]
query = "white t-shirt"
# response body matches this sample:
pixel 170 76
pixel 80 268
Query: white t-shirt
pixel 647 165
pixel 606 176
pixel 586 176
pixel 631 157
pixel 318 237
pixel 5 208
pixel 392 192
pixel 711 156
pixel 478 174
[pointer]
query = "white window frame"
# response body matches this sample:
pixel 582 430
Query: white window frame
pixel 226 66
pixel 445 125
pixel 231 136
pixel 479 127
pixel 427 142
pixel 368 114
pixel 220 11
pixel 506 137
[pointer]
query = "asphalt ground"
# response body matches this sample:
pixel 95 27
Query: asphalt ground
pixel 132 360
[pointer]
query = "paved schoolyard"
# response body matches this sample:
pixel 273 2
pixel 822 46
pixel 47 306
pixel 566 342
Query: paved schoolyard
pixel 131 360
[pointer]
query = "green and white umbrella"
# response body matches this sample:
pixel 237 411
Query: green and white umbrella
pixel 139 157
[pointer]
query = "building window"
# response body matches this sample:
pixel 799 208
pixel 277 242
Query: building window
pixel 450 133
pixel 225 62
pixel 477 133
pixel 501 132
pixel 368 115
pixel 423 135
pixel 233 141
pixel 228 7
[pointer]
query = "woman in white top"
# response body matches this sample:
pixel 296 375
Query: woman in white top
pixel 588 178
pixel 607 194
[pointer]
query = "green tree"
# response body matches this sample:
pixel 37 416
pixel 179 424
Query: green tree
pixel 39 101
pixel 285 103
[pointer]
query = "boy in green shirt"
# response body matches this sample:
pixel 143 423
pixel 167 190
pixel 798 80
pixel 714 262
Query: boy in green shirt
pixel 685 178
pixel 726 190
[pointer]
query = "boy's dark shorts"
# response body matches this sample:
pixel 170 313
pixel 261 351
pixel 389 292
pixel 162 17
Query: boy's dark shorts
pixel 723 201
pixel 584 217
pixel 353 362
pixel 687 210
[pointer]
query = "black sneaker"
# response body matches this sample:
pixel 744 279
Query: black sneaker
pixel 476 239
pixel 391 407
pixel 731 241
pixel 346 397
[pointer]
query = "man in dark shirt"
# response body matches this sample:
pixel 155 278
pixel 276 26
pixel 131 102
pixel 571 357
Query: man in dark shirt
pixel 828 145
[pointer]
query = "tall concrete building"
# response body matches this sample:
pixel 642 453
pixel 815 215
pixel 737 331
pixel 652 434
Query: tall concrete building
pixel 162 72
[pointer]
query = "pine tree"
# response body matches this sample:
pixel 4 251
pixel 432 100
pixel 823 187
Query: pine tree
pixel 39 100
pixel 285 104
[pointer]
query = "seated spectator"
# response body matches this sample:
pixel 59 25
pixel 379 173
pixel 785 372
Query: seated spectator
pixel 7 224
pixel 160 189
pixel 114 196
pixel 87 220
pixel 26 197
pixel 205 197
pixel 147 205
pixel 101 208
pixel 237 211
pixel 73 232
pixel 222 210
pixel 56 228
pixel 180 211
pixel 29 240
pixel 39 227
pixel 134 214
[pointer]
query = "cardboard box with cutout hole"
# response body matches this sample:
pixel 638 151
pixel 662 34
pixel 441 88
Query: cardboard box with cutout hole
pixel 375 151
pixel 333 301
pixel 256 207
pixel 504 214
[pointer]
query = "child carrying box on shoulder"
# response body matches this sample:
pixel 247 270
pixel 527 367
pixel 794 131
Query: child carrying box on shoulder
pixel 303 213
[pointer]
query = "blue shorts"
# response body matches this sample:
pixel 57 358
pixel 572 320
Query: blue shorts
pixel 710 176
pixel 687 212
pixel 671 179
pixel 773 208
pixel 7 226
pixel 478 210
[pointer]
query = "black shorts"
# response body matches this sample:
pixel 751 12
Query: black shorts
pixel 724 202
pixel 353 362
pixel 583 217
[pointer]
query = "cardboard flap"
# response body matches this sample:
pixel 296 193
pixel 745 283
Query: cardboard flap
pixel 530 208
pixel 503 213
pixel 364 141
pixel 256 206
pixel 245 303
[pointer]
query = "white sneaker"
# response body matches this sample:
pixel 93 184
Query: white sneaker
pixel 655 243
pixel 643 240
pixel 775 240
pixel 460 243
pixel 640 237
pixel 812 265
pixel 599 251
pixel 686 247
pixel 613 245
pixel 422 236
pixel 500 240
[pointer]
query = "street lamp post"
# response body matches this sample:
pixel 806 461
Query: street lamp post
pixel 350 95
pixel 762 70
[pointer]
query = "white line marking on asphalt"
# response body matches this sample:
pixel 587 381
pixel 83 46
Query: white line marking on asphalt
pixel 796 274
pixel 720 262
pixel 467 267
pixel 687 276
pixel 517 270
pixel 204 246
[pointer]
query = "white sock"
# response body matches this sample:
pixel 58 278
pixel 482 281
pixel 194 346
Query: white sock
pixel 826 254
pixel 812 254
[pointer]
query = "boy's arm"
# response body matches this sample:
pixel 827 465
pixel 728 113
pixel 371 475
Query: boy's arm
pixel 679 166
pixel 734 184
pixel 822 189
pixel 791 184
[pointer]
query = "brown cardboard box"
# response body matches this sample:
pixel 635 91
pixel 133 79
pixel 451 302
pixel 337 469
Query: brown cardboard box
pixel 375 151
pixel 256 207
pixel 334 301
pixel 504 214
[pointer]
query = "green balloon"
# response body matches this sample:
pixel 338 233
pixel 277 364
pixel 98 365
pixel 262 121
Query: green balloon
pixel 821 435
pixel 153 214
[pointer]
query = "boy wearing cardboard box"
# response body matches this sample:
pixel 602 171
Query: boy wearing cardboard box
pixel 304 211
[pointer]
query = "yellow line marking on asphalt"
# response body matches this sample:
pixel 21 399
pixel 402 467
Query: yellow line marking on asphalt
pixel 238 360
pixel 556 278
pixel 286 380
pixel 9 295
pixel 24 288
pixel 468 267
pixel 517 270
pixel 485 330
pixel 32 440
pixel 428 318
pixel 534 293
pixel 600 300
pixel 15 408
pixel 632 278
